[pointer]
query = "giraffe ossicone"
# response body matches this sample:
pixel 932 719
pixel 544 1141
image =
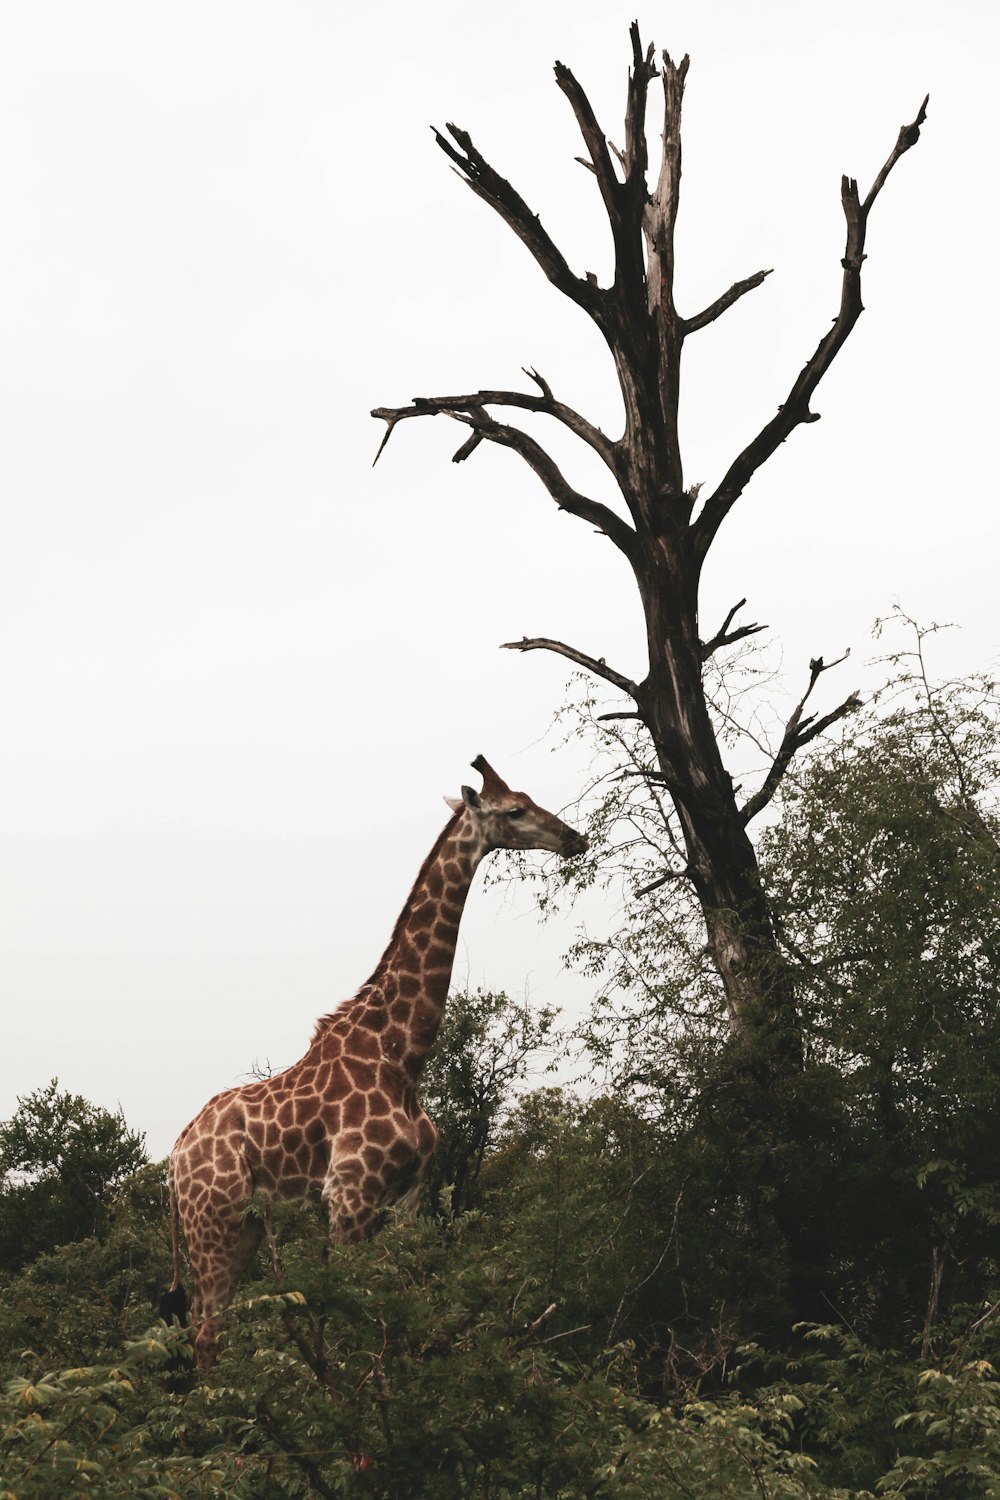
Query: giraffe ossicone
pixel 345 1120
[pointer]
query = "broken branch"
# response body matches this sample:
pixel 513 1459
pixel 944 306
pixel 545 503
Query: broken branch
pixel 643 71
pixel 597 665
pixel 594 139
pixel 722 304
pixel 495 190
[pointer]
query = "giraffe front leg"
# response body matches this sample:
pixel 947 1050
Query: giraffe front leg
pixel 410 1186
pixel 353 1196
pixel 408 1196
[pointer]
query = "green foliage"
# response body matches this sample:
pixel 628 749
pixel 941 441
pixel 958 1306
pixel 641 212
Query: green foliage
pixel 85 1432
pixel 886 871
pixel 604 1305
pixel 61 1160
pixel 444 1359
pixel 83 1301
pixel 955 1431
pixel 483 1051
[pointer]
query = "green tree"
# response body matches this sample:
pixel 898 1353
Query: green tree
pixel 485 1047
pixel 81 1301
pixel 885 867
pixel 863 1182
pixel 61 1161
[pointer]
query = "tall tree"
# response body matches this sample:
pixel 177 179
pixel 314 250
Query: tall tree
pixel 671 527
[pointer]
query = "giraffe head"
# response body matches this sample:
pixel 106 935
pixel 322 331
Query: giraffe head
pixel 511 820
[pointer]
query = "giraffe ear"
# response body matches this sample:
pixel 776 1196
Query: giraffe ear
pixel 471 798
pixel 455 803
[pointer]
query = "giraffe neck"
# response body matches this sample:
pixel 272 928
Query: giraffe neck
pixel 410 984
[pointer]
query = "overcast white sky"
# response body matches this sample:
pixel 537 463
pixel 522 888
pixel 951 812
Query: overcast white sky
pixel 238 667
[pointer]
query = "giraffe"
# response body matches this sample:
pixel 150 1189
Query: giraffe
pixel 344 1121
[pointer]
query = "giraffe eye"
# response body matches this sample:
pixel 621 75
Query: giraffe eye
pixel 516 812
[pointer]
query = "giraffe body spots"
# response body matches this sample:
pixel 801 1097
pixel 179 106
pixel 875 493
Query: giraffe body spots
pixel 335 1082
pixel 409 960
pixel 353 1111
pixel 395 1042
pixel 360 1072
pixel 363 1044
pixel 379 1131
pixel 423 915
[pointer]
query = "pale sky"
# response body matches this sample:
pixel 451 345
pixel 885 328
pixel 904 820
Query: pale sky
pixel 239 668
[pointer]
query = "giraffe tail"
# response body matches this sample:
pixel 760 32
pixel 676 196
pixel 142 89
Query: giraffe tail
pixel 173 1302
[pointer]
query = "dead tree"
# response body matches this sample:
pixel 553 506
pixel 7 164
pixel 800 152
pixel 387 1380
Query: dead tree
pixel 671 527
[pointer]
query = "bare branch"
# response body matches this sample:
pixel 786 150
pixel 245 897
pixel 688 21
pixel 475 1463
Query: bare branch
pixel 390 418
pixel 731 616
pixel 661 215
pixel 654 885
pixel 534 1327
pixel 424 406
pixel 644 70
pixel 659 221
pixel 542 385
pixel 600 516
pixel 467 449
pixel 722 304
pixel 798 732
pixel 471 410
pixel 598 665
pixel 734 635
pixel 623 200
pixel 594 139
pixel 908 136
pixel 795 409
pixel 725 637
pixel 495 190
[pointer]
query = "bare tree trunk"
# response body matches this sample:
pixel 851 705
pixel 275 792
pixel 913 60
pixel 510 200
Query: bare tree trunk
pixel 671 528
